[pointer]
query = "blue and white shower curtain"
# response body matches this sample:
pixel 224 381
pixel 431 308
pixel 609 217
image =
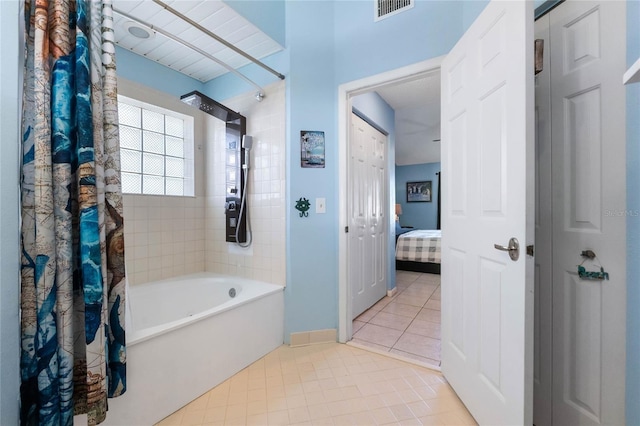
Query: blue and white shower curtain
pixel 73 275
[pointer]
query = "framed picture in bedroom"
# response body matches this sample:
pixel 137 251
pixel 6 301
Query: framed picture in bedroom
pixel 419 192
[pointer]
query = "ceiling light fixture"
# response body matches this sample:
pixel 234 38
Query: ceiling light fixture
pixel 138 30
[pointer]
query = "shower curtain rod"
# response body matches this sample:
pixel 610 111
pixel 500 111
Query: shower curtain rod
pixel 217 38
pixel 229 68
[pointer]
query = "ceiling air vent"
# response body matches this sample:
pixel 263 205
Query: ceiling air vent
pixel 386 8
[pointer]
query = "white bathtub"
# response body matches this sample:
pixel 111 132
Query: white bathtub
pixel 187 335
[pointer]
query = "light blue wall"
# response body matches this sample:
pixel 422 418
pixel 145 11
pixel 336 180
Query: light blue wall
pixel 364 47
pixel 418 215
pixel 9 210
pixel 136 68
pixel 371 107
pixel 311 295
pixel 268 15
pixel 331 43
pixel 633 222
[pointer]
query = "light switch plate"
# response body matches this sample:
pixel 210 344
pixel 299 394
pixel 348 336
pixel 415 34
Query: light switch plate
pixel 321 205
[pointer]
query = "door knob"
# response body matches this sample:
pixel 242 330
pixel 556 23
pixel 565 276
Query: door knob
pixel 513 248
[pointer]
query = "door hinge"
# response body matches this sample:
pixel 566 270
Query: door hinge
pixel 539 50
pixel 346 229
pixel 530 250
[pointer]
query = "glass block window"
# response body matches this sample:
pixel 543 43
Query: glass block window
pixel 156 149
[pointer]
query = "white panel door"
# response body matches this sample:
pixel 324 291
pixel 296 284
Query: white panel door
pixel 542 331
pixel 588 133
pixel 368 206
pixel 487 156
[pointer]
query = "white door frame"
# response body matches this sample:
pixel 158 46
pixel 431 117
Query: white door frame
pixel 345 92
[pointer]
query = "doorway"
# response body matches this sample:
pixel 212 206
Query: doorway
pixel 406 282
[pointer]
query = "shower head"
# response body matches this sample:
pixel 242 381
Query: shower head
pixel 247 142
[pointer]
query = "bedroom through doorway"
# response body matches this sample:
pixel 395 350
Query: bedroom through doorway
pixel 405 322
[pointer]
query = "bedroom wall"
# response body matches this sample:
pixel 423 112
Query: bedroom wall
pixel 419 215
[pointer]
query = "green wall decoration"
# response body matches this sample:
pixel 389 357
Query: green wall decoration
pixel 303 205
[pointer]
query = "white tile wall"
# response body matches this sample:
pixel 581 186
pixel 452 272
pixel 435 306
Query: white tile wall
pixel 265 259
pixel 172 236
pixel 164 236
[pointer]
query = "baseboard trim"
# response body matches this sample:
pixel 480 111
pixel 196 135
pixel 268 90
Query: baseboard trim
pixel 313 337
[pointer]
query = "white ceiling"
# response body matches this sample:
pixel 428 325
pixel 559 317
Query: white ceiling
pixel 417 109
pixel 416 101
pixel 214 15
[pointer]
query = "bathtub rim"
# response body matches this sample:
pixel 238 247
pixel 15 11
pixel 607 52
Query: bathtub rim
pixel 139 336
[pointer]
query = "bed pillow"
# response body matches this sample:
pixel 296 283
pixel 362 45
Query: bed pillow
pixel 399 230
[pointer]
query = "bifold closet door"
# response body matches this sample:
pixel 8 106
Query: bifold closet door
pixel 587 46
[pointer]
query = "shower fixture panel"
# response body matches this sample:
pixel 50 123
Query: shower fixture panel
pixel 236 126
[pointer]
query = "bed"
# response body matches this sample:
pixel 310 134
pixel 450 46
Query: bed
pixel 418 250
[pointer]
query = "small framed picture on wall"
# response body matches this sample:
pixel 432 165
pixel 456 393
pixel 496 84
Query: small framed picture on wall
pixel 419 192
pixel 312 149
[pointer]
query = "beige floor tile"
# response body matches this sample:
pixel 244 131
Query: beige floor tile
pixel 401 412
pixel 425 328
pixel 436 294
pixel 359 388
pixel 318 411
pixel 216 414
pixel 391 398
pixel 277 404
pixel 412 300
pixel 409 395
pixel 382 303
pixel 275 391
pixel 402 309
pixel 316 397
pixel 429 315
pixel 199 403
pixel 293 389
pixel 299 415
pixel 296 401
pixel 235 411
pixel 357 324
pixel 257 395
pixel 363 418
pixel 396 322
pixel 379 335
pixel 257 419
pixel 344 420
pixel 278 417
pixel 257 407
pixel 192 418
pixel 383 416
pixel 238 398
pixel 419 345
pixel 433 304
pixel 420 290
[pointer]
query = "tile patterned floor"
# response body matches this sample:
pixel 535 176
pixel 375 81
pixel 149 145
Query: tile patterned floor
pixel 327 384
pixel 407 324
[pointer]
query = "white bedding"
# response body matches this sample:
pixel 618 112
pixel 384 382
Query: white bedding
pixel 420 245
